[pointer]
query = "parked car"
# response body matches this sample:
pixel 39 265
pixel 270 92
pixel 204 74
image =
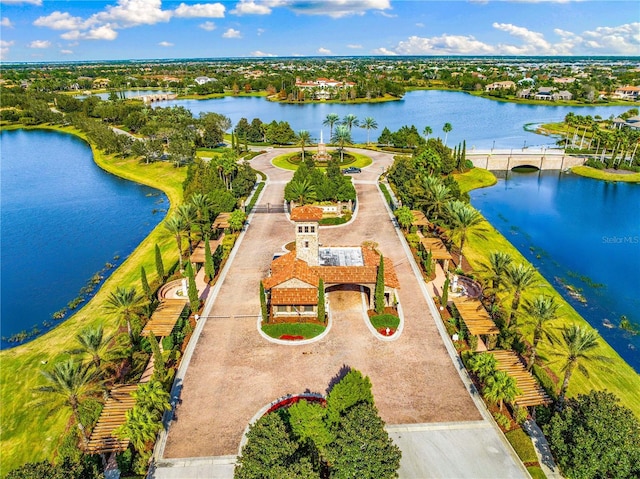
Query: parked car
pixel 351 169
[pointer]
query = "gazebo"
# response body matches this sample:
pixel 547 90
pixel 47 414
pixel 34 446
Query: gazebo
pixel 475 317
pixel 419 219
pixel 221 222
pixel 164 318
pixel 531 393
pixel 198 255
pixel 438 251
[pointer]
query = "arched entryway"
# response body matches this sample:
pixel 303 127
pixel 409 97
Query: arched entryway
pixel 347 297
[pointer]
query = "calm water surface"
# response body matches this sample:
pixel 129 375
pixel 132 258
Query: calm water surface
pixel 581 231
pixel 477 120
pixel 63 219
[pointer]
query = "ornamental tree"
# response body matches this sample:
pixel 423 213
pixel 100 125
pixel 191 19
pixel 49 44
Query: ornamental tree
pixel 379 292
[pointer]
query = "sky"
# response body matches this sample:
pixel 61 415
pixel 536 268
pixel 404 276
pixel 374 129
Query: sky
pixel 70 30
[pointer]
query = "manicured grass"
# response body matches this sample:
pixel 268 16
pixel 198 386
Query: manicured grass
pixel 604 175
pixel 522 445
pixel 385 321
pixel 617 377
pixel 536 472
pixel 255 196
pixel 283 161
pixel 382 99
pixel 306 330
pixel 475 178
pixel 26 418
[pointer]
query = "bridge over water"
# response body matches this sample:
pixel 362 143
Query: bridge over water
pixel 155 97
pixel 541 158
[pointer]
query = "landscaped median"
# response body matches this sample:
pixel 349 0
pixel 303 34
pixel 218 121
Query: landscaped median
pixel 290 161
pixel 25 418
pixel 616 376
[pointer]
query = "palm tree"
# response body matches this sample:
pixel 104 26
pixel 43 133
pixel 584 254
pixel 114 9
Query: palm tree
pixel 579 344
pixel 426 132
pixel 300 191
pixel 152 397
pixel 203 205
pixel 483 364
pixel 497 269
pixel 70 382
pixel 369 124
pixel 520 277
pixel 127 304
pixel 341 137
pixel 141 428
pixel 446 128
pixel 463 218
pixel 543 309
pixel 500 387
pixel 189 214
pixel 304 138
pixel 176 226
pixel 438 196
pixel 94 343
pixel 330 120
pixel 350 121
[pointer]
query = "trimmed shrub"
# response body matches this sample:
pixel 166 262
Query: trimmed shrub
pixel 522 444
pixel 502 420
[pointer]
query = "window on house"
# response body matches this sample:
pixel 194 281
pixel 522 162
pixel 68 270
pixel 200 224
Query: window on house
pixel 281 308
pixel 306 229
pixel 308 308
pixel 306 244
pixel 299 229
pixel 313 229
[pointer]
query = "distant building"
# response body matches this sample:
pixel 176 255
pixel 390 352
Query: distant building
pixel 203 79
pixel 627 93
pixel 323 88
pixel 500 85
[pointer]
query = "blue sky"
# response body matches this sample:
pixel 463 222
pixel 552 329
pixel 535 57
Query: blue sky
pixel 69 30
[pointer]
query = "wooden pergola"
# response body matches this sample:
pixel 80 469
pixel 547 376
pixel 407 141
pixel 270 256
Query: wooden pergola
pixel 198 253
pixel 113 415
pixel 164 318
pixel 532 394
pixel 222 221
pixel 475 317
pixel 419 219
pixel 437 248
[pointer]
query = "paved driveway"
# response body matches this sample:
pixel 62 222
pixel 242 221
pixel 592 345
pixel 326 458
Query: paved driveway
pixel 234 372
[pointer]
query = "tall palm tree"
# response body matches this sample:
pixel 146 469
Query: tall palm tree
pixel 153 397
pixel 438 196
pixel 463 219
pixel 177 227
pixel 330 120
pixel 341 136
pixel 94 343
pixel 203 205
pixel 350 121
pixel 500 387
pixel 300 191
pixel 497 269
pixel 127 304
pixel 70 382
pixel 369 124
pixel 141 428
pixel 189 214
pixel 446 128
pixel 579 345
pixel 543 309
pixel 304 138
pixel 520 277
pixel 426 132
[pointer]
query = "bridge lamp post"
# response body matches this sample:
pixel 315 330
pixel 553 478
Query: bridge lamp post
pixel 494 145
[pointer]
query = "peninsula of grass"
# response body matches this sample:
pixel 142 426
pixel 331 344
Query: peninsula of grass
pixel 589 172
pixel 213 96
pixel 305 330
pixel 25 415
pixel 381 99
pixel 475 178
pixel 615 376
pixel 290 161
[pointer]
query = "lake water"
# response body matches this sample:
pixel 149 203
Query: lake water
pixel 477 120
pixel 63 218
pixel 581 231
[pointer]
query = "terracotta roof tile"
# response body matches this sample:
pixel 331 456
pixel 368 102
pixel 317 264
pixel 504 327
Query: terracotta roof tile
pixel 306 213
pixel 294 296
pixel 287 267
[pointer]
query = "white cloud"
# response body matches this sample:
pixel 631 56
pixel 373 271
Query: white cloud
pixel 259 53
pixel 354 45
pixel 420 25
pixel 338 8
pixel 260 31
pixel 40 44
pixel 105 32
pixel 6 23
pixel 4 48
pixel 444 45
pixel 388 15
pixel 250 7
pixel 129 13
pixel 324 51
pixel 534 41
pixel 208 26
pixel 19 2
pixel 232 33
pixel 206 10
pixel 165 44
pixel 60 21
pixel 66 52
pixel 383 51
pixel 72 35
pixel 620 40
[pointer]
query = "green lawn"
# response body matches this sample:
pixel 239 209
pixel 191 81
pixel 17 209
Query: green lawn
pixel 522 445
pixel 604 175
pixel 475 178
pixel 306 330
pixel 282 161
pixel 385 321
pixel 30 430
pixel 618 377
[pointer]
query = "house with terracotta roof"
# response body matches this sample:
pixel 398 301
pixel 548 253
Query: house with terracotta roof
pixel 292 285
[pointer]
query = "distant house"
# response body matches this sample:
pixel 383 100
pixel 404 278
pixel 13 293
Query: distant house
pixel 323 88
pixel 627 93
pixel 544 93
pixel 500 85
pixel 547 93
pixel 564 81
pixel 563 95
pixel 632 123
pixel 203 79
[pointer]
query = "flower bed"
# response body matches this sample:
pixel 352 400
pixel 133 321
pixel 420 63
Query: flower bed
pixel 290 401
pixel 289 337
pixel 386 331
